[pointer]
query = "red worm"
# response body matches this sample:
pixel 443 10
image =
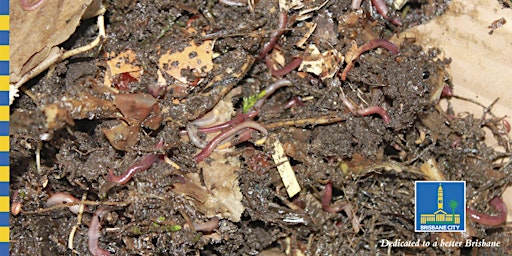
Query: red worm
pixel 295 101
pixel 490 220
pixel 447 91
pixel 326 200
pixel 94 233
pixel 226 134
pixel 16 204
pixel 143 165
pixel 295 63
pixel 366 47
pixel 382 9
pixel 506 124
pixel 27 5
pixel 207 226
pixel 236 120
pixel 283 20
pixel 375 110
pixel 63 198
pixel 269 90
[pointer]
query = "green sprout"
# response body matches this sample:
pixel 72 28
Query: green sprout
pixel 248 102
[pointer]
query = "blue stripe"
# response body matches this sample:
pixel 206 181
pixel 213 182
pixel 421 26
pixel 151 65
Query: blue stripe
pixel 4 219
pixel 4 188
pixel 4 9
pixel 4 98
pixel 4 68
pixel 4 158
pixel 4 128
pixel 4 248
pixel 4 37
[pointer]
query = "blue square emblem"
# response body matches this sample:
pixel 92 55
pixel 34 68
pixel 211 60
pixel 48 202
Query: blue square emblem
pixel 440 206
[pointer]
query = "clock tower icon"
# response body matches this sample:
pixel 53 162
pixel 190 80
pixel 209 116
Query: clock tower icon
pixel 440 197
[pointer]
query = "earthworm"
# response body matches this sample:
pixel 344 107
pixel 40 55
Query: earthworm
pixel 63 198
pixel 375 110
pixel 295 101
pixel 207 226
pixel 506 124
pixel 295 63
pixel 94 233
pixel 193 136
pixel 233 2
pixel 366 47
pixel 236 120
pixel 326 200
pixel 27 5
pixel 269 90
pixel 226 134
pixel 16 204
pixel 447 91
pixel 160 144
pixel 382 9
pixel 283 20
pixel 326 206
pixel 143 165
pixel 206 120
pixel 490 220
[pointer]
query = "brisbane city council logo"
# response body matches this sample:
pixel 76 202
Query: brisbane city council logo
pixel 440 206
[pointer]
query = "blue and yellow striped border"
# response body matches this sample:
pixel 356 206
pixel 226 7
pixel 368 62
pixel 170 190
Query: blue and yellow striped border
pixel 4 127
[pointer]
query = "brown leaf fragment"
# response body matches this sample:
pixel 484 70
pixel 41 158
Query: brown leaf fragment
pixel 34 33
pixel 122 136
pixel 220 195
pixel 135 105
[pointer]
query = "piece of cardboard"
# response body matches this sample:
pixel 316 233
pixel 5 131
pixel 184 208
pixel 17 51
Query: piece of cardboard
pixel 481 67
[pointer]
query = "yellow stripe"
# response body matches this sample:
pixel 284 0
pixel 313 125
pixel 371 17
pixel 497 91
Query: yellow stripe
pixel 4 143
pixel 4 52
pixel 4 234
pixel 4 113
pixel 4 22
pixel 4 173
pixel 4 204
pixel 4 83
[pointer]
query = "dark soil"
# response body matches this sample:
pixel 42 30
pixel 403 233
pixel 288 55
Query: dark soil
pixel 372 165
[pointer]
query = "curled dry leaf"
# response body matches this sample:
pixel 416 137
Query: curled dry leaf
pixel 325 64
pixel 122 66
pixel 34 33
pixel 221 195
pixel 197 58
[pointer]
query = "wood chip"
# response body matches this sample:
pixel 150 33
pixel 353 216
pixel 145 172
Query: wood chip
pixel 285 169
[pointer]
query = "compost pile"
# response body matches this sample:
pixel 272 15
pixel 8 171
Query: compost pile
pixel 207 103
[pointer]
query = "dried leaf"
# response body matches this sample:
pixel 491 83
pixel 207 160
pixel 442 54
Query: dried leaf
pixel 197 58
pixel 325 64
pixel 122 64
pixel 221 197
pixel 122 136
pixel 34 33
pixel 135 105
